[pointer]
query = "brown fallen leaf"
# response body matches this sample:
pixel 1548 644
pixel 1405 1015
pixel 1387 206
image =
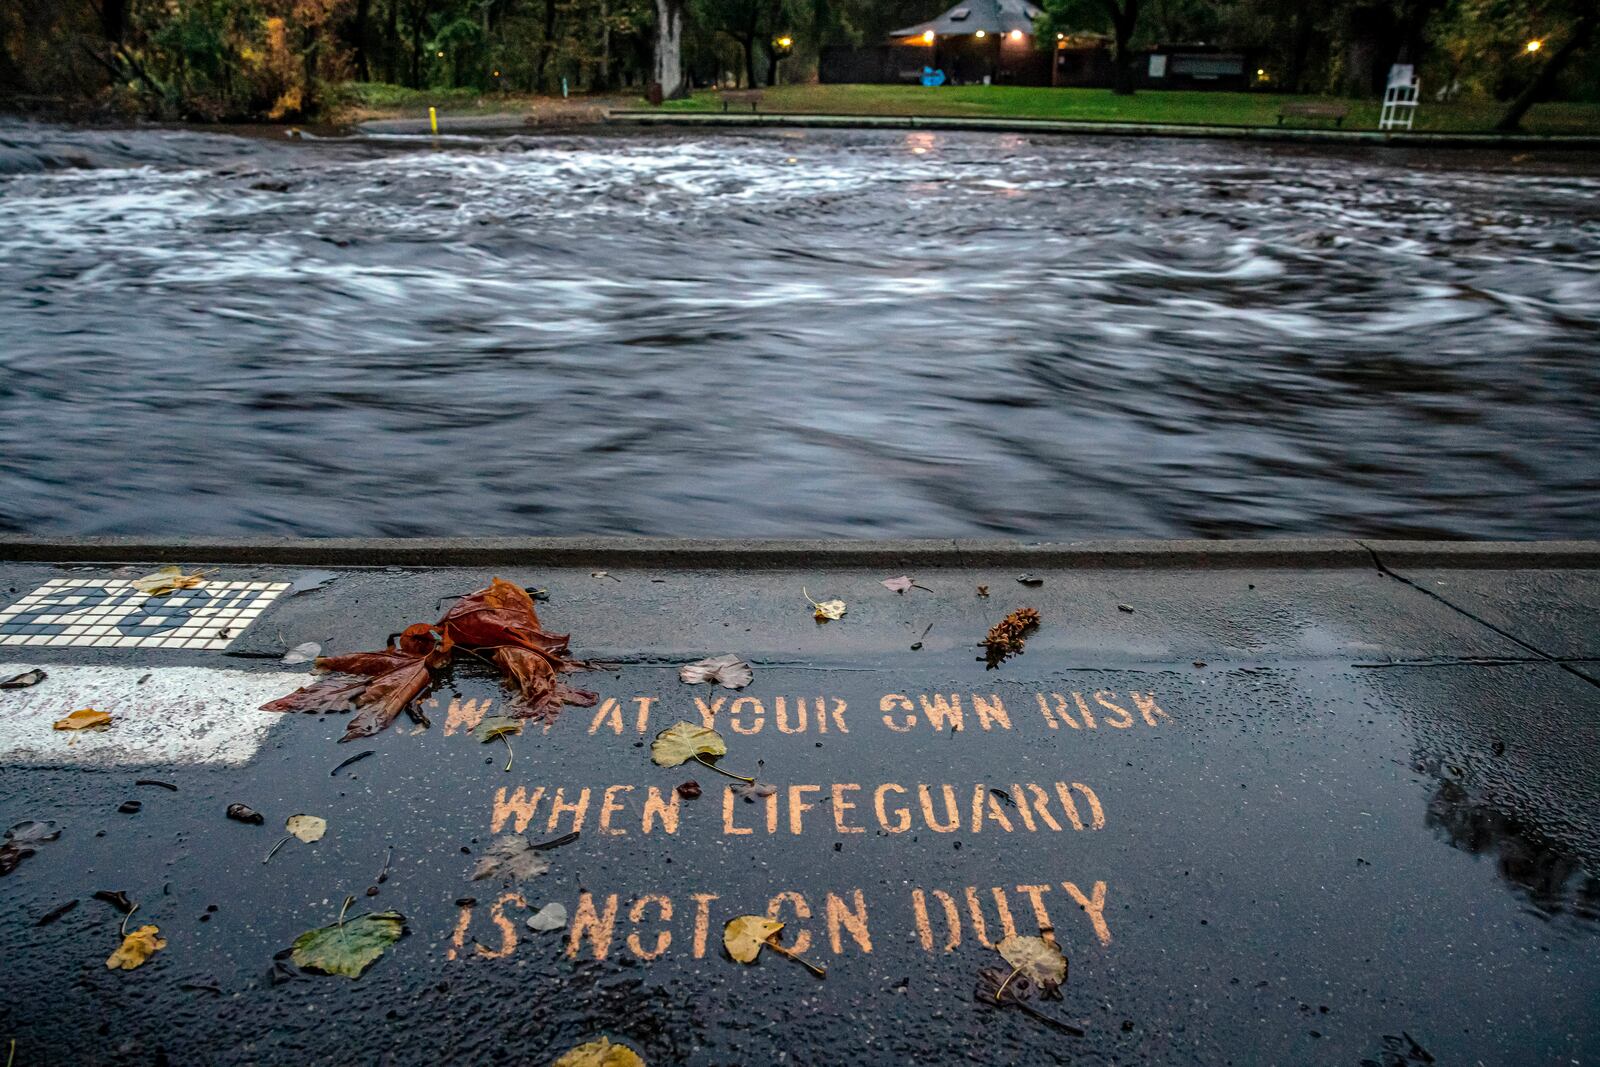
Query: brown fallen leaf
pixel 381 684
pixel 136 948
pixel 84 719
pixel 1007 636
pixel 20 842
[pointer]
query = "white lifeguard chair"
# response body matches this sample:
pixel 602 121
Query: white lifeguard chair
pixel 1400 98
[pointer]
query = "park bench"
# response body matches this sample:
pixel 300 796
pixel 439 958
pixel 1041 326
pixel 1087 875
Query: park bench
pixel 1336 112
pixel 740 96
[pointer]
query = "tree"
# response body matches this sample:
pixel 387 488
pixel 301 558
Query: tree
pixel 670 16
pixel 1577 39
pixel 1120 16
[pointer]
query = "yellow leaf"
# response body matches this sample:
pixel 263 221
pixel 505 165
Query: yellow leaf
pixel 600 1053
pixel 307 828
pixel 83 719
pixel 136 948
pixel 825 609
pixel 1035 958
pixel 744 936
pixel 168 579
pixel 683 741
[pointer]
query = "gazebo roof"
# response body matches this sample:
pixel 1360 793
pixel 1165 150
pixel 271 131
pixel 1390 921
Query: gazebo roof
pixel 970 16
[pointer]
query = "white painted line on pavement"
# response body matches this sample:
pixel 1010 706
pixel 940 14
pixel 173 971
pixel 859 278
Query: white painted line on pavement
pixel 160 715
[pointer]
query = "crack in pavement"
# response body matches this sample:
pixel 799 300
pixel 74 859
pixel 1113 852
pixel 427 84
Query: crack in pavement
pixel 1564 664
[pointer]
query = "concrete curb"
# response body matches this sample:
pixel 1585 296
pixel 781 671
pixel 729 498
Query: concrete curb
pixel 1113 129
pixel 617 552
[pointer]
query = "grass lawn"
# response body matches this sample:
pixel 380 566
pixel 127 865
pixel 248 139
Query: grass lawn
pixel 1101 105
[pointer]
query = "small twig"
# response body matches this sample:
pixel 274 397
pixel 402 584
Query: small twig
pixel 1042 1017
pixel 564 839
pixel 283 841
pixel 347 902
pixel 383 874
pixel 509 754
pixel 13 1053
pixel 791 954
pixel 124 928
pixel 1003 985
pixel 701 759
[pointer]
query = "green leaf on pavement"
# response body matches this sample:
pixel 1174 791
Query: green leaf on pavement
pixel 350 947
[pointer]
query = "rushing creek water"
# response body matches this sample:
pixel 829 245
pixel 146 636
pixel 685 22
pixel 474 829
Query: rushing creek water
pixel 794 334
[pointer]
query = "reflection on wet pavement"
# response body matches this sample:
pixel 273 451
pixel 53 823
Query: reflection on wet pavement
pixel 835 333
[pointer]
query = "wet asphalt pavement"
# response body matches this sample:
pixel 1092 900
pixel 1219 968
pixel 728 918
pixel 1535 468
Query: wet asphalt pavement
pixel 1334 819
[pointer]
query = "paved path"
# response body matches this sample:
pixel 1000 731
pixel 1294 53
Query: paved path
pixel 1311 803
pixel 996 124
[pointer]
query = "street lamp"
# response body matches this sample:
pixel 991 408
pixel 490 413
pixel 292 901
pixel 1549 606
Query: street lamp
pixel 1534 45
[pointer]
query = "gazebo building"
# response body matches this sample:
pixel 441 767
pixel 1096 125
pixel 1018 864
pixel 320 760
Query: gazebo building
pixel 980 41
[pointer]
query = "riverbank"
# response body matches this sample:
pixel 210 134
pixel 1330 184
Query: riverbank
pixel 371 102
pixel 1222 778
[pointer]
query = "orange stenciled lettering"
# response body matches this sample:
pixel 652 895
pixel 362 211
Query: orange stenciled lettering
pixel 1094 906
pixel 642 719
pixel 798 805
pixel 1041 801
pixel 855 920
pixel 608 714
pixel 1097 815
pixel 708 712
pixel 597 926
pixel 1060 711
pixel 991 711
pixel 894 701
pixel 902 820
pixel 662 807
pixel 517 808
pixel 780 714
pixel 1146 703
pixel 952 919
pixel 802 910
pixel 980 929
pixel 464 715
pixel 985 803
pixel 458 939
pixel 609 806
pixel 559 807
pixel 1083 709
pixel 1065 795
pixel 754 708
pixel 508 929
pixel 838 716
pixel 1126 721
pixel 952 812
pixel 1021 800
pixel 841 805
pixel 942 713
pixel 1035 895
pixel 702 922
pixel 727 815
pixel 636 913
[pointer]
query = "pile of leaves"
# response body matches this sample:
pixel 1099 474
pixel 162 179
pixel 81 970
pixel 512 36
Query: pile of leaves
pixel 496 624
pixel 1007 636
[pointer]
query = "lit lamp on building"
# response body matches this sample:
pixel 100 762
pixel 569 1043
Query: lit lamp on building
pixel 928 37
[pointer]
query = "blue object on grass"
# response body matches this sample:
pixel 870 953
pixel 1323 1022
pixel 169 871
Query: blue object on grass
pixel 932 77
